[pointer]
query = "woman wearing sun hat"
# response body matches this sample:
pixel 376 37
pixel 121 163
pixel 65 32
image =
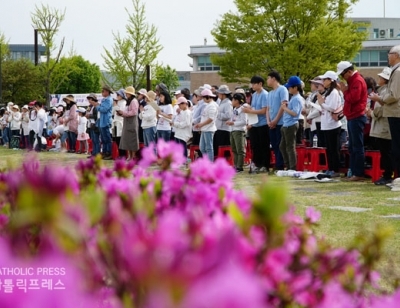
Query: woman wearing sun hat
pixel 24 126
pixel 118 121
pixel 71 121
pixel 148 115
pixel 381 131
pixel 129 137
pixel 331 128
pixel 15 120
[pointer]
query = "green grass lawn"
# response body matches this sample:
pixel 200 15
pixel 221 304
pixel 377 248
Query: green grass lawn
pixel 336 226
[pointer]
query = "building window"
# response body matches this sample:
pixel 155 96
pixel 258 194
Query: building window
pixel 204 64
pixel 376 33
pixel 371 58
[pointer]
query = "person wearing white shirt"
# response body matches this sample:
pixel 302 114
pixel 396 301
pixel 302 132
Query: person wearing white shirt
pixel 117 120
pixel 183 124
pixel 148 115
pixel 40 125
pixel 164 116
pixel 14 119
pixel 238 133
pixel 207 124
pixel 330 102
pixel 24 126
pixel 223 133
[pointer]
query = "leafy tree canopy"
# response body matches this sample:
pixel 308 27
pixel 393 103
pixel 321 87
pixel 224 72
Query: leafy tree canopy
pixel 21 81
pixel 76 75
pixel 126 61
pixel 295 37
pixel 167 76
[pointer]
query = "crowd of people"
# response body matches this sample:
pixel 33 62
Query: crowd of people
pixel 343 109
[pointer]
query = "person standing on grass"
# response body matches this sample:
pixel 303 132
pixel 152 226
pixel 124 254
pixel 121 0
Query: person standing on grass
pixel 290 123
pixel 331 128
pixel 118 121
pixel 130 132
pixel 105 110
pixel 276 97
pixel 259 132
pixel 41 125
pixel 148 115
pixel 391 105
pixel 198 108
pixel 183 124
pixel 207 124
pixel 82 135
pixel 142 102
pixel 223 133
pixel 71 121
pixel 164 116
pixel 24 127
pixel 94 130
pixel 238 133
pixel 355 102
pixel 381 131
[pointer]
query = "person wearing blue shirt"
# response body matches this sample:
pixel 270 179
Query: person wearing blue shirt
pixel 276 97
pixel 291 113
pixel 105 110
pixel 259 132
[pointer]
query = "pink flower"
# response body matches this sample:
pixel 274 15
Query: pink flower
pixel 336 297
pixel 228 286
pixel 51 271
pixel 312 215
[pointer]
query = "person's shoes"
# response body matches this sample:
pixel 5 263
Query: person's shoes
pixel 79 152
pixel 239 170
pixel 323 176
pixel 334 174
pixel 383 181
pixel 107 156
pixel 355 178
pixel 254 170
pixel 262 169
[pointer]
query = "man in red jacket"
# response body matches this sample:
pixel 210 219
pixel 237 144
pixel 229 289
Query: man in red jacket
pixel 355 102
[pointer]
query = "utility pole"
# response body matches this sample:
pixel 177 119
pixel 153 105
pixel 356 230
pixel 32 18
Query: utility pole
pixel 148 77
pixel 36 47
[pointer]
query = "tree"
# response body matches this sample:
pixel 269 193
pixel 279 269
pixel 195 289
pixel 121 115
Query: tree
pixel 21 81
pixel 47 21
pixel 295 37
pixel 4 53
pixel 127 59
pixel 76 75
pixel 167 76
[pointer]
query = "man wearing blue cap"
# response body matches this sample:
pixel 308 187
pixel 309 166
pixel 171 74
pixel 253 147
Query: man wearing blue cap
pixel 291 114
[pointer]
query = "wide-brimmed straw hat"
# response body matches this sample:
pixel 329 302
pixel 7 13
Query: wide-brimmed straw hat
pixel 69 98
pixel 151 95
pixel 130 90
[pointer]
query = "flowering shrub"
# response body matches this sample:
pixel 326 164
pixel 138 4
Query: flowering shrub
pixel 141 236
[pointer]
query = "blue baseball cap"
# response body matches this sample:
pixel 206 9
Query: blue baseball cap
pixel 293 81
